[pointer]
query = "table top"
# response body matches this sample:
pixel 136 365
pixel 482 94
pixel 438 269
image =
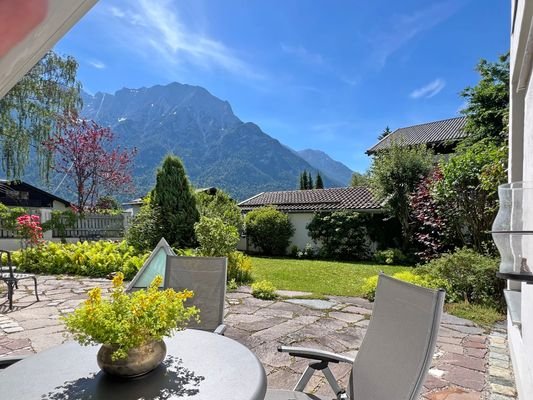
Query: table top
pixel 199 365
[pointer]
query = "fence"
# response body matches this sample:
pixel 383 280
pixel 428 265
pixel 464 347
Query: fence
pixel 95 226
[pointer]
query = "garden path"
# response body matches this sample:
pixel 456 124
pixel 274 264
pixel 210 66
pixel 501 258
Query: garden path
pixel 469 364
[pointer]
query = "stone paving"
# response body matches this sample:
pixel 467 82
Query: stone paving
pixel 469 364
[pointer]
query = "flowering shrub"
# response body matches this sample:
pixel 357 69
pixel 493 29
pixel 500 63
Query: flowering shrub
pixel 264 290
pixel 130 320
pixel 29 228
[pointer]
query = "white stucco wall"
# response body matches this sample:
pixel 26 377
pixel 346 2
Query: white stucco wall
pixel 521 168
pixel 301 236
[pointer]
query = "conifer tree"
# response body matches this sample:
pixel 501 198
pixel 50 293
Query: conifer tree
pixel 176 203
pixel 310 183
pixel 318 183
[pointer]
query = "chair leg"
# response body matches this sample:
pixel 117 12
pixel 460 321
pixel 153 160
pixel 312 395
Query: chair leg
pixel 10 287
pixel 35 283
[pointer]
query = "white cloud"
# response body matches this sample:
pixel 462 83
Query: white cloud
pixel 303 54
pixel 429 90
pixel 158 27
pixel 403 28
pixel 96 64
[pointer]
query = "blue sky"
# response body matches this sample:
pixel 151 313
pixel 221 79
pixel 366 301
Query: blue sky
pixel 328 75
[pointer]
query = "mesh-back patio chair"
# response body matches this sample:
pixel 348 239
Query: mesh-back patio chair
pixel 12 278
pixel 10 360
pixel 206 277
pixel 396 351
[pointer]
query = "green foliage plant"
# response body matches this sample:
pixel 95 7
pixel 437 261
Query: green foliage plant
pixel 9 215
pixel 129 320
pixel 94 259
pixel 29 111
pixel 359 179
pixel 216 238
pixel 471 277
pixel 390 257
pixel 394 175
pixel 342 235
pixel 144 231
pixel 264 290
pixel 468 190
pixel 175 200
pixel 269 230
pixel 219 205
pixel 487 109
pixel 239 267
pixel 371 283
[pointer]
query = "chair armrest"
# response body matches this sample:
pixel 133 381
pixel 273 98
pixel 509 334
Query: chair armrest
pixel 220 329
pixel 314 354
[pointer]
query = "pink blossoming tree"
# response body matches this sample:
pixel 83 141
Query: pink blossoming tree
pixel 84 152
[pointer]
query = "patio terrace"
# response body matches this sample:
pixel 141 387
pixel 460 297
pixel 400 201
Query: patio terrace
pixel 469 364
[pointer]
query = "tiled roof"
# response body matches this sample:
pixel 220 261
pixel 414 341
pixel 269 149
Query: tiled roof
pixel 430 133
pixel 352 198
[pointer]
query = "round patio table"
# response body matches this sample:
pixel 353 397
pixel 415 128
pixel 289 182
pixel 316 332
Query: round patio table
pixel 199 365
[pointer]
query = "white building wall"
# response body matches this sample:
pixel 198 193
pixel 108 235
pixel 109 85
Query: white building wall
pixel 301 236
pixel 521 168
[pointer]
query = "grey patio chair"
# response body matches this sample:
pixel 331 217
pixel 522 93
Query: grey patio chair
pixel 12 278
pixel 7 361
pixel 396 351
pixel 206 277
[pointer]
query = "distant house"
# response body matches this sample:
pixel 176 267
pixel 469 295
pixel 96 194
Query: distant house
pixel 441 136
pixel 301 205
pixel 22 194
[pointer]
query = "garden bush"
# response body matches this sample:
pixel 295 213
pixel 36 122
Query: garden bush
pixel 269 230
pixel 239 267
pixel 342 235
pixel 390 257
pixel 414 277
pixel 219 205
pixel 95 259
pixel 471 277
pixel 215 237
pixel 144 231
pixel 264 290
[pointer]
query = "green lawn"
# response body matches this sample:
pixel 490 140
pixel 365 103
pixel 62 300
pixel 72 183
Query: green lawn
pixel 317 276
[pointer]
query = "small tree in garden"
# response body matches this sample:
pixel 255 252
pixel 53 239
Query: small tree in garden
pixel 487 111
pixel 176 203
pixel 216 238
pixel 394 175
pixel 82 153
pixel 469 190
pixel 28 112
pixel 219 205
pixel 269 230
pixel 430 223
pixel 145 230
pixel 359 179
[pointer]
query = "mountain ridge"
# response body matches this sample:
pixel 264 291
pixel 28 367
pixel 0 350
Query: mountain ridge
pixel 216 147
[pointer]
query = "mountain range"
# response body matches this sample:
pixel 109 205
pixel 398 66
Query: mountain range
pixel 216 147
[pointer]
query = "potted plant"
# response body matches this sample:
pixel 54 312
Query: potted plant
pixel 130 326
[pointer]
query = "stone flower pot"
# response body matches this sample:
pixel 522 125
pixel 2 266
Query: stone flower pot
pixel 140 360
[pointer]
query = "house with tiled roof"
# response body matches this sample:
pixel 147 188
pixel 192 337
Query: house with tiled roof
pixel 301 206
pixel 441 136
